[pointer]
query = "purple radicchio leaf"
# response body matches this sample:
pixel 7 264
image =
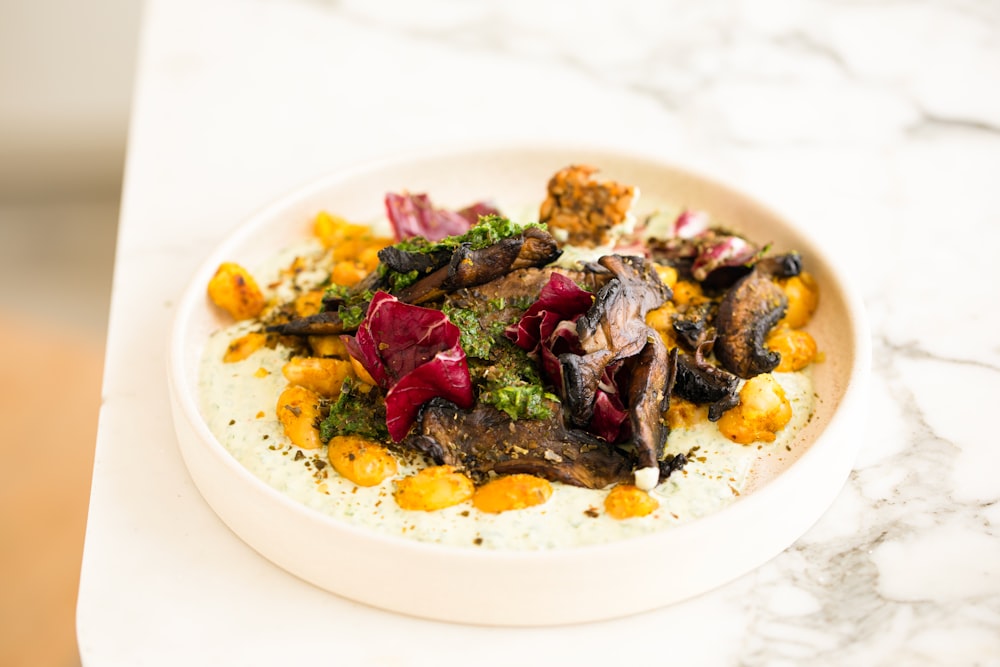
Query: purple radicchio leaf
pixel 560 299
pixel 690 223
pixel 722 251
pixel 414 215
pixel 611 419
pixel 413 353
pixel 548 329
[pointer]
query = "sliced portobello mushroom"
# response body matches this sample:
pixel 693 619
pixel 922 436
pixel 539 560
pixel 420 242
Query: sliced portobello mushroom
pixel 747 313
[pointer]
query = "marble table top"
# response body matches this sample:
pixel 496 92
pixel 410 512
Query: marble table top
pixel 874 124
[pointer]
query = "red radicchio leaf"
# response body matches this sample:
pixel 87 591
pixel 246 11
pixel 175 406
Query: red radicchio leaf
pixel 560 299
pixel 446 375
pixel 414 354
pixel 414 215
pixel 548 329
pixel 611 419
pixel 726 251
pixel 475 211
pixel 690 224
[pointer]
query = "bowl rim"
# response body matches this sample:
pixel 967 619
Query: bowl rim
pixel 193 294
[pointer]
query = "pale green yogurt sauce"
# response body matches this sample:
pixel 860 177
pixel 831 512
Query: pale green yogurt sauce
pixel 238 401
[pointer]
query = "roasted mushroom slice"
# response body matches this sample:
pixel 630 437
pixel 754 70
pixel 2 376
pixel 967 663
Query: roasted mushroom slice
pixel 405 261
pixel 485 439
pixel 747 312
pixel 465 267
pixel 469 268
pixel 700 382
pixel 652 378
pixel 614 328
pixel 693 322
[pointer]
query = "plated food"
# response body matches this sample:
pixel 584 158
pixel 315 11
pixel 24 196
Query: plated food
pixel 595 372
pixel 537 556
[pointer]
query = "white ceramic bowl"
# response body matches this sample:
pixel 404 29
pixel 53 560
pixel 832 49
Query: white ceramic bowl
pixel 527 587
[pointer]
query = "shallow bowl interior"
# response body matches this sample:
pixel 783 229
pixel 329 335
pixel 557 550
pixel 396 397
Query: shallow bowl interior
pixel 539 587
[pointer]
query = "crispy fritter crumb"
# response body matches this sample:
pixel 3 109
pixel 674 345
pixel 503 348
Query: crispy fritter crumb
pixel 584 210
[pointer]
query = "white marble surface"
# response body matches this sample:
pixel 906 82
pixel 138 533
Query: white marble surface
pixel 875 124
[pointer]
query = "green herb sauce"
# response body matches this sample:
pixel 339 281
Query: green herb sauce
pixel 356 412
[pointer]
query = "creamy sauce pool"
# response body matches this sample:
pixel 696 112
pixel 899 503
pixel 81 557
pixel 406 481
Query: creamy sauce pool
pixel 238 404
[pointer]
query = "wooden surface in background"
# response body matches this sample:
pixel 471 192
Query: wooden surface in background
pixel 49 401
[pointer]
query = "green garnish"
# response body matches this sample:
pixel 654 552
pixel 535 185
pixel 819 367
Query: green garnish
pixel 355 305
pixel 356 412
pixel 475 340
pixel 509 381
pixel 489 230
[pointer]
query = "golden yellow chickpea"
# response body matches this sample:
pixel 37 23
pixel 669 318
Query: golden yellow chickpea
pixel 687 292
pixel 328 228
pixel 626 501
pixel 309 303
pixel 685 414
pixel 322 375
pixel 233 289
pixel 242 347
pixel 364 462
pixel 512 492
pixel 361 372
pixel 328 346
pixel 763 411
pixel 433 488
pixel 662 318
pixel 368 258
pixel 797 348
pixel 803 298
pixel 299 413
pixel 347 273
pixel 667 274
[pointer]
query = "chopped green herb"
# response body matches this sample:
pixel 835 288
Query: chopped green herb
pixel 356 411
pixel 521 402
pixel 486 232
pixel 351 316
pixel 398 281
pixel 353 305
pixel 475 340
pixel 510 382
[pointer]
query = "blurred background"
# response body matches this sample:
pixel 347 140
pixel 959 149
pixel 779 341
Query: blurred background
pixel 65 87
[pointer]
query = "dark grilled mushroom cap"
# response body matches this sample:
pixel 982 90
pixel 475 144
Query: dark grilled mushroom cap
pixel 700 382
pixel 653 375
pixel 614 328
pixel 485 439
pixel 469 268
pixel 404 261
pixel 692 323
pixel 464 267
pixel 327 323
pixel 747 312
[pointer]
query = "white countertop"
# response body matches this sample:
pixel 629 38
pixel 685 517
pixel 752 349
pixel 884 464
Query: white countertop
pixel 877 126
